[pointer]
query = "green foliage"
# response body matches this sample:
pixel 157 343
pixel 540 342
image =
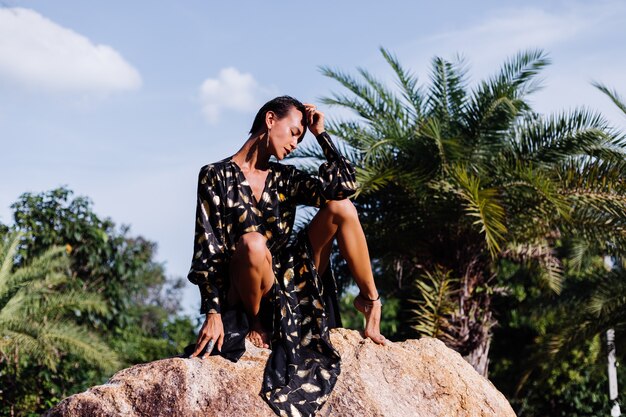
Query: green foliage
pixel 434 304
pixel 38 320
pixel 135 311
pixel 483 205
pixel 36 310
pixel 599 307
pixel 613 95
pixel 536 379
pixel 577 385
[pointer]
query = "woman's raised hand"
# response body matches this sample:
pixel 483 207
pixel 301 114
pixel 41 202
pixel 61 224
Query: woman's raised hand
pixel 315 119
pixel 211 333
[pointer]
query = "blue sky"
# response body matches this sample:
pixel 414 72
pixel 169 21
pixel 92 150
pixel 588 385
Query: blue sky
pixel 124 101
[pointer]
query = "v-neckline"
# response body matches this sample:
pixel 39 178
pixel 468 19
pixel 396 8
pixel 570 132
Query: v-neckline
pixel 257 203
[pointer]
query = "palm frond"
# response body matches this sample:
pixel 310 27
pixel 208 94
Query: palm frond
pixel 8 249
pixel 592 174
pixel 613 95
pixel 548 267
pixel 484 206
pixel 494 106
pixel 446 98
pixel 605 308
pixel 546 140
pixel 544 187
pixel 578 249
pixel 355 135
pixel 435 305
pixel 450 148
pixel 381 110
pixel 389 108
pixel 372 180
pixel 520 71
pixel 609 299
pixel 408 85
pixel 364 102
pixel 611 204
pixel 75 339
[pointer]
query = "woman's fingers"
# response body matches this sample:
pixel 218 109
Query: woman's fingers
pixel 316 125
pixel 211 335
pixel 315 120
pixel 208 342
pixel 220 341
pixel 200 344
pixel 206 339
pixel 311 110
pixel 209 349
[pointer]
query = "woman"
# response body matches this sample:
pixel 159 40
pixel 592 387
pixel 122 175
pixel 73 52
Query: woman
pixel 244 260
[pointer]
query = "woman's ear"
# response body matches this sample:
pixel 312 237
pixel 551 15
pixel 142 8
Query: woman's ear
pixel 270 118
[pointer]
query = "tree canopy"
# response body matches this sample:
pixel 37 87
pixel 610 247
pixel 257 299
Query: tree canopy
pixel 79 298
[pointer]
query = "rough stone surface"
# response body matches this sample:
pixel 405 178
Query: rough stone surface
pixel 413 378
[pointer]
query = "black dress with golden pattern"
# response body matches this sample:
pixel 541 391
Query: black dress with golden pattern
pixel 303 366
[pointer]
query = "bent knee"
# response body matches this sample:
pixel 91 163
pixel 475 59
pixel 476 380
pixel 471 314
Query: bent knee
pixel 252 246
pixel 341 208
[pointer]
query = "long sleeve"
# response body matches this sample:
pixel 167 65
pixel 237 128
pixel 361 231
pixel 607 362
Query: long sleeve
pixel 209 254
pixel 336 179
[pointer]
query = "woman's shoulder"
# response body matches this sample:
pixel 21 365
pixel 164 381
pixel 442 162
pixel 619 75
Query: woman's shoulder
pixel 216 166
pixel 214 170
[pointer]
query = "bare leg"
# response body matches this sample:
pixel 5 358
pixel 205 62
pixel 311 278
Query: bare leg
pixel 340 219
pixel 251 277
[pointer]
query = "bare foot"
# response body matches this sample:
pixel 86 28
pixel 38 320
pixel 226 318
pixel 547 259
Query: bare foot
pixel 258 335
pixel 372 311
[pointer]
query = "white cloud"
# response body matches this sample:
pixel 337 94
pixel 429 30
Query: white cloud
pixel 489 42
pixel 505 32
pixel 231 90
pixel 582 40
pixel 38 53
pixel 516 29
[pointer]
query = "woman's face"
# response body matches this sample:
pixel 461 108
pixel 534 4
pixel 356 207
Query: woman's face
pixel 285 132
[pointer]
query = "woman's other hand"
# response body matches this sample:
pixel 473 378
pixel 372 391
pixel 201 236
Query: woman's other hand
pixel 211 334
pixel 315 119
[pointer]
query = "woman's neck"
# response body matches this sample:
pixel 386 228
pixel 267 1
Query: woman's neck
pixel 253 155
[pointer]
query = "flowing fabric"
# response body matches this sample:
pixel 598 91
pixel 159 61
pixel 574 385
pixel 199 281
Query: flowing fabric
pixel 302 306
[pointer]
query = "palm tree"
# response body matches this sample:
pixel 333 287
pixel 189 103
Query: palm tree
pixel 604 306
pixel 455 179
pixel 38 314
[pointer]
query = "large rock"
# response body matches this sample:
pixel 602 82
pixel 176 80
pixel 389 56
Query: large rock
pixel 413 378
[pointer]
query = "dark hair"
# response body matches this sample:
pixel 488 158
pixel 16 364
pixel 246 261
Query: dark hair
pixel 280 106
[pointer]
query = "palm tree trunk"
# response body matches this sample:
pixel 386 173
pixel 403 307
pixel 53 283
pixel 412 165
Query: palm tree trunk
pixel 479 357
pixel 475 317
